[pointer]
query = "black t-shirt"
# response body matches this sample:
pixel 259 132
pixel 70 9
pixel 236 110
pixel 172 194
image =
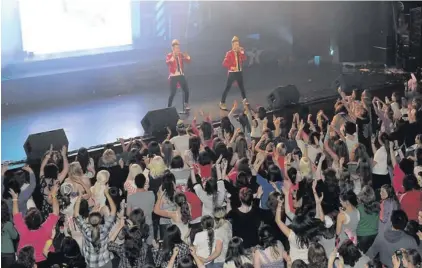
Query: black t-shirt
pixel 245 225
pixel 58 258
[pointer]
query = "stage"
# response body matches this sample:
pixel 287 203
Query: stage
pixel 99 112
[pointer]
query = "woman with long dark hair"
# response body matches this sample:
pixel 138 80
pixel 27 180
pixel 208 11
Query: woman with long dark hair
pixel 208 246
pixel 8 235
pixel 87 163
pixel 172 239
pixel 389 203
pixel 236 254
pixel 134 252
pixel 181 217
pixel 303 230
pixel 410 201
pixel 96 234
pixel 191 156
pixel 69 254
pixel 381 163
pixel 369 210
pixel 49 174
pixel 348 218
pixel 271 254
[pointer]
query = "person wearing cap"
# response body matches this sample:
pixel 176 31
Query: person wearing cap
pixel 233 61
pixel 175 61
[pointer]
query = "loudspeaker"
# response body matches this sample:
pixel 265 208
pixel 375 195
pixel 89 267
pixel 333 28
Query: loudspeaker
pixel 36 145
pixel 158 120
pixel 348 82
pixel 283 96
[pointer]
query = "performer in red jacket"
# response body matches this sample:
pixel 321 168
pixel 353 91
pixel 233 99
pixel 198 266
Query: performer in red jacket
pixel 233 61
pixel 175 61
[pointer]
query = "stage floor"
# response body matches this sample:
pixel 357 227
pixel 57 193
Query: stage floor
pixel 100 121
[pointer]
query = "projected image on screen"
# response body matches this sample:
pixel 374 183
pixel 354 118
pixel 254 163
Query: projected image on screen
pixel 54 26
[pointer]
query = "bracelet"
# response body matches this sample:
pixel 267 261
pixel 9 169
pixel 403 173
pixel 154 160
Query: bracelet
pixel 53 196
pixel 14 199
pixel 49 243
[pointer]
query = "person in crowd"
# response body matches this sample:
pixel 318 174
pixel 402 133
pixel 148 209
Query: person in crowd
pixel 80 184
pixel 316 256
pixel 191 155
pixel 214 192
pixel 236 255
pixel 246 219
pixel 180 217
pixel 25 258
pixel 348 218
pixel 272 252
pixel 15 186
pixel 163 253
pixel 351 255
pixel 303 230
pixel 8 237
pixel 409 258
pixel 177 167
pixel 31 229
pixel 142 199
pixel 369 209
pixel 223 230
pixel 49 174
pixel 96 235
pixel 389 203
pixel 68 255
pixel 97 191
pixel 167 152
pixel 130 185
pixel 208 246
pixel 411 199
pixel 86 162
pixel 135 252
pixel 392 239
pixel 181 141
pixel 381 162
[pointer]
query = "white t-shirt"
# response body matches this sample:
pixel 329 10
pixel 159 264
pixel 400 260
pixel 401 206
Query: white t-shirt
pixel 351 141
pixel 201 244
pixel 296 252
pixel 225 232
pixel 181 143
pixel 207 200
pixel 312 151
pixel 380 157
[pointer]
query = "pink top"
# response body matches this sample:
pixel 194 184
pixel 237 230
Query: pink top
pixel 35 238
pixel 398 176
pixel 411 203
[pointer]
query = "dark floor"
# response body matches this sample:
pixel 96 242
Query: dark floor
pixel 104 119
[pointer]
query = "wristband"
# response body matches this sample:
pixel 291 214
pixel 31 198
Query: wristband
pixel 14 199
pixel 49 243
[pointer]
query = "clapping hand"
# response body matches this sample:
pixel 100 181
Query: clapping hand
pixel 28 169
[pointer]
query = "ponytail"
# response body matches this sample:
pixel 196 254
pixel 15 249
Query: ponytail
pixel 180 200
pixel 207 223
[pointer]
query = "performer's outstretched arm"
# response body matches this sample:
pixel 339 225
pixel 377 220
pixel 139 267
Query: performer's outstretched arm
pixel 186 57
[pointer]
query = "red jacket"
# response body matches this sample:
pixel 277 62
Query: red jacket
pixel 173 64
pixel 230 59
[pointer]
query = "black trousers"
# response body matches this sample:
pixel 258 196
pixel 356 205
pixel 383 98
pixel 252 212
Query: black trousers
pixel 365 242
pixel 234 76
pixel 8 259
pixel 173 88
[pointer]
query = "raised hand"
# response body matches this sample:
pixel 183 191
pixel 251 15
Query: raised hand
pixel 13 194
pixel 28 169
pixel 64 151
pixel 175 251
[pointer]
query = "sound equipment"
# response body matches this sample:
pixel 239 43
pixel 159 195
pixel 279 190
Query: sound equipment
pixel 283 96
pixel 158 120
pixel 348 82
pixel 36 145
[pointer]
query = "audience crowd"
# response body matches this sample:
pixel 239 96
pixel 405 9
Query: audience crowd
pixel 258 191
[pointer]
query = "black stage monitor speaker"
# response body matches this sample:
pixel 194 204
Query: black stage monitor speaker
pixel 36 145
pixel 283 96
pixel 158 120
pixel 348 82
